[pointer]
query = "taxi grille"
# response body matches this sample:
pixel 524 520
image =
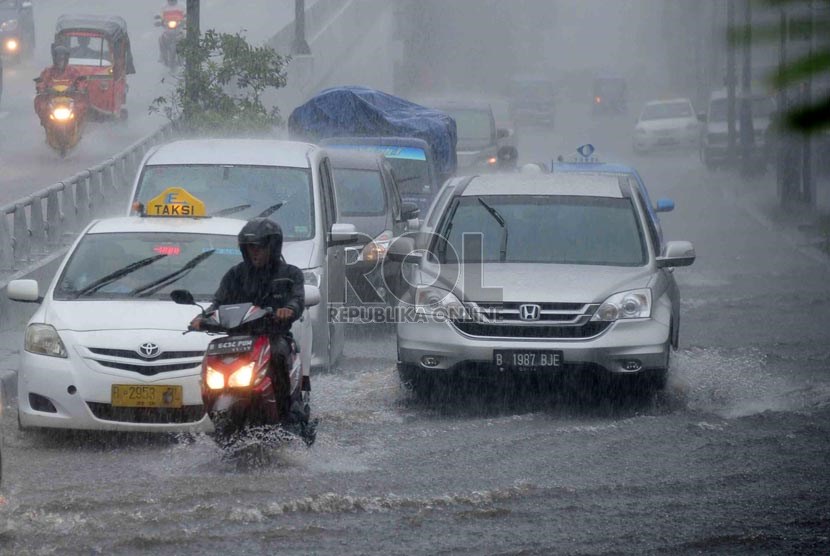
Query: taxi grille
pixel 149 370
pixel 186 414
pixel 587 330
pixel 129 354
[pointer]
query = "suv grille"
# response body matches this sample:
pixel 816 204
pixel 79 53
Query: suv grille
pixel 186 414
pixel 556 320
pixel 588 330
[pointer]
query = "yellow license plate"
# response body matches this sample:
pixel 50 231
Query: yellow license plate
pixel 140 395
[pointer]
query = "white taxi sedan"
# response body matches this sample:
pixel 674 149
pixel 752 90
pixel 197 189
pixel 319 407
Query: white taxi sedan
pixel 666 123
pixel 105 349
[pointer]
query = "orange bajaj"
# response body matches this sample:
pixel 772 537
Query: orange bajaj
pixel 99 48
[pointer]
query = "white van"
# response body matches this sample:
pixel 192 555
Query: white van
pixel 288 181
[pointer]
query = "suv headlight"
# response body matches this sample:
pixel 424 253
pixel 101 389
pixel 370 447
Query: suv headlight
pixel 634 304
pixel 312 277
pixel 432 299
pixel 44 339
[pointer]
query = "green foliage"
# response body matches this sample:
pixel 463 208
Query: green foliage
pixel 220 90
pixel 813 116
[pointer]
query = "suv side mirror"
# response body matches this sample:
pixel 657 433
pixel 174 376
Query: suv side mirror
pixel 502 133
pixel 677 253
pixel 402 250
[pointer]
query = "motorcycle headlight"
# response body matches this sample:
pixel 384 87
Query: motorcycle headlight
pixel 62 113
pixel 241 378
pixel 431 299
pixel 11 45
pixel 214 379
pixel 44 340
pixel 8 25
pixel 634 304
pixel 376 249
pixel 172 24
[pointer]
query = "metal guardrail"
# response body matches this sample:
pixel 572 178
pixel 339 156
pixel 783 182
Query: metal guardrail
pixel 38 224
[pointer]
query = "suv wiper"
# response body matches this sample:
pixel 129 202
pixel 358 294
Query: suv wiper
pixel 500 219
pixel 120 273
pixel 154 286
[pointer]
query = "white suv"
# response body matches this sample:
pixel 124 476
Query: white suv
pixel 541 274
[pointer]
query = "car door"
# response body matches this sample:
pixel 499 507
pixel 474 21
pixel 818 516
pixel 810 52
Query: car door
pixel 335 254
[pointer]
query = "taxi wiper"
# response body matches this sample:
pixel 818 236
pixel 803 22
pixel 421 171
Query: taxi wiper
pixel 500 219
pixel 230 210
pixel 154 286
pixel 120 273
pixel 271 210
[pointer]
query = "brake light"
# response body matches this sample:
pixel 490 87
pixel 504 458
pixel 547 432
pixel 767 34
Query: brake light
pixel 170 250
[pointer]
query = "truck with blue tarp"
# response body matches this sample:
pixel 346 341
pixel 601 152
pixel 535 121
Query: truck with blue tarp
pixel 419 142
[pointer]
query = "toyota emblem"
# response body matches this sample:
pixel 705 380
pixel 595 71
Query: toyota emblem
pixel 149 350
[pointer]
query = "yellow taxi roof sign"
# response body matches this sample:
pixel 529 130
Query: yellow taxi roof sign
pixel 175 201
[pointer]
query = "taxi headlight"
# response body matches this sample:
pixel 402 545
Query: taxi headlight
pixel 312 277
pixel 433 300
pixel 241 377
pixel 634 304
pixel 44 340
pixel 214 379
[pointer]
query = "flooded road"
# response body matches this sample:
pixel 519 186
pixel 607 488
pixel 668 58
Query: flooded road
pixel 731 458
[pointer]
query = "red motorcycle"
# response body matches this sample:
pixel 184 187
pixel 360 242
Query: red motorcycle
pixel 242 392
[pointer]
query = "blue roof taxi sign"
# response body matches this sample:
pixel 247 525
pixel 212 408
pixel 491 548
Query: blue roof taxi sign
pixel 584 155
pixel 174 201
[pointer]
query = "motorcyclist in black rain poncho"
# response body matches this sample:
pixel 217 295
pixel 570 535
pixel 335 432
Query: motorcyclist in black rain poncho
pixel 265 279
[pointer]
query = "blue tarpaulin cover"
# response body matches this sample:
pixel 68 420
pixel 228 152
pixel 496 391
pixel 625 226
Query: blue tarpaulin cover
pixel 360 112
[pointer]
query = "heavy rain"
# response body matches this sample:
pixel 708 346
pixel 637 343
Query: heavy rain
pixel 565 277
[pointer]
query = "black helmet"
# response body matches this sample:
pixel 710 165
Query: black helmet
pixel 171 2
pixel 264 232
pixel 60 54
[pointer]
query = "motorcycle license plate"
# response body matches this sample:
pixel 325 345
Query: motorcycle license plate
pixel 140 395
pixel 231 344
pixel 527 359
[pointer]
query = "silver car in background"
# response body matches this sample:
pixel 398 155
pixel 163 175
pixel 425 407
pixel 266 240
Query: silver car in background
pixel 368 198
pixel 541 274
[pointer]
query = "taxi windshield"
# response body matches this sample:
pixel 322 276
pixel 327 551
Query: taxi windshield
pixel 573 230
pixel 281 193
pixel 148 265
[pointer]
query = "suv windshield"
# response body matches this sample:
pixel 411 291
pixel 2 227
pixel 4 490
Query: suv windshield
pixel 151 265
pixel 762 107
pixel 545 229
pixel 666 110
pixel 242 192
pixel 359 192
